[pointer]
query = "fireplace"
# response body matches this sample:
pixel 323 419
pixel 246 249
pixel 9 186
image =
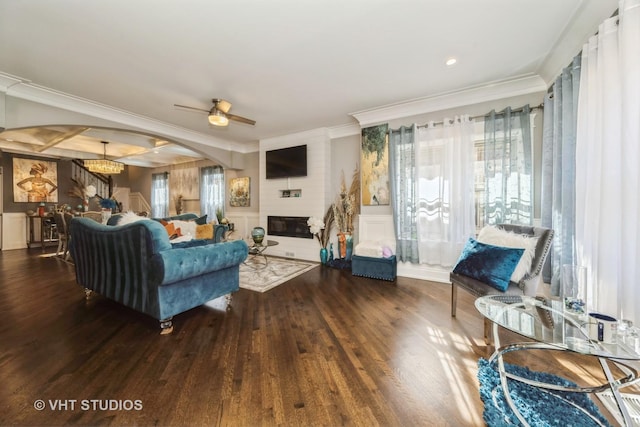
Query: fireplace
pixel 289 226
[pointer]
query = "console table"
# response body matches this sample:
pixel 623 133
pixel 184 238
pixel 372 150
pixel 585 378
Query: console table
pixel 549 327
pixel 48 237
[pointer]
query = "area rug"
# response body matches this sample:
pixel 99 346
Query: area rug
pixel 256 276
pixel 539 408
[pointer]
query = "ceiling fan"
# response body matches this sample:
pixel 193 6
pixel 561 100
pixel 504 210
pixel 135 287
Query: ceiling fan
pixel 219 114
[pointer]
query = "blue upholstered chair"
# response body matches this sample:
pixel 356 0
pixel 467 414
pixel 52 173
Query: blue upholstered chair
pixel 527 286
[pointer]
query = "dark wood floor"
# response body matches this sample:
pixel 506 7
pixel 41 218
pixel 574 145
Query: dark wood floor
pixel 325 348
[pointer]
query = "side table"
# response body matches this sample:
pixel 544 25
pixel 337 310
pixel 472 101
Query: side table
pixel 256 250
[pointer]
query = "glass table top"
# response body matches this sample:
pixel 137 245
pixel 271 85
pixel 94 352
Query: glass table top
pixel 546 321
pixel 259 248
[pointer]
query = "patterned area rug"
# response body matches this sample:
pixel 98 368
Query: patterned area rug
pixel 540 409
pixel 257 276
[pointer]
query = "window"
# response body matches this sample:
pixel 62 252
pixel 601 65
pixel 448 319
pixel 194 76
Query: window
pixel 508 169
pixel 212 191
pixel 160 195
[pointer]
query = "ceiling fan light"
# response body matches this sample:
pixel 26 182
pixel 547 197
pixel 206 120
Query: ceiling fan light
pixel 218 118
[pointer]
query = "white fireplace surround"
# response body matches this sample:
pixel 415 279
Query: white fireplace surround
pixel 313 192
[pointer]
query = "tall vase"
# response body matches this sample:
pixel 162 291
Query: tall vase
pixel 349 244
pixel 345 241
pixel 324 255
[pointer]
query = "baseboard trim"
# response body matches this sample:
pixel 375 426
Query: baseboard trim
pixel 423 272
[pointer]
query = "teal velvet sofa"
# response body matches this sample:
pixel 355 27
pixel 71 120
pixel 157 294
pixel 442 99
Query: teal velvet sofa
pixel 136 265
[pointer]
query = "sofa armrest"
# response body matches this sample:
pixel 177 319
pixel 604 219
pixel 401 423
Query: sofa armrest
pixel 182 263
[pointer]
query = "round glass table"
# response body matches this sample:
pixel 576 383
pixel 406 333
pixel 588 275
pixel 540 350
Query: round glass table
pixel 550 327
pixel 256 253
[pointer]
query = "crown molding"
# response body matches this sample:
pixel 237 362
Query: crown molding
pixel 583 24
pixel 318 134
pixel 344 130
pixel 487 92
pixel 7 80
pixel 22 89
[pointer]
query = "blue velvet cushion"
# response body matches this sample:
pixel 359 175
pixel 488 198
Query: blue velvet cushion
pixel 202 220
pixel 490 264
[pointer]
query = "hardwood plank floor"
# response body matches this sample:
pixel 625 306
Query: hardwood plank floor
pixel 325 348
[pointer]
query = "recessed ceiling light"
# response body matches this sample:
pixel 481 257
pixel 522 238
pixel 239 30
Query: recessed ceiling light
pixel 451 61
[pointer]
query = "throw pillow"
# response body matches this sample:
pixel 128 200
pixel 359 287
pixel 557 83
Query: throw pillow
pixel 129 217
pixel 172 231
pixel 201 221
pixel 490 264
pixel 204 231
pixel 498 237
pixel 187 227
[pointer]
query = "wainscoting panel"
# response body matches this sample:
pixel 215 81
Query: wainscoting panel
pixel 376 228
pixel 14 231
pixel 243 224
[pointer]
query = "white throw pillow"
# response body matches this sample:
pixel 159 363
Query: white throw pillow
pixel 498 237
pixel 129 217
pixel 187 228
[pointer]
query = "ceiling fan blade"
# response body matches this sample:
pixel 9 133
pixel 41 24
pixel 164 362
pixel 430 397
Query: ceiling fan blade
pixel 190 108
pixel 240 119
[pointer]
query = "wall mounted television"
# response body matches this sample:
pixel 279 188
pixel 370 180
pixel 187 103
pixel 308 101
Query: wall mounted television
pixel 286 162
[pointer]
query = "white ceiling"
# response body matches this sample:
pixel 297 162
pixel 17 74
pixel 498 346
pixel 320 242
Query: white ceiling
pixel 291 65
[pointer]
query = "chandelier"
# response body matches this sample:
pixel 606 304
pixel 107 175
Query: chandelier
pixel 104 165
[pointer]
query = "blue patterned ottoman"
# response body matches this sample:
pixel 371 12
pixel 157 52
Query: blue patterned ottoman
pixel 375 268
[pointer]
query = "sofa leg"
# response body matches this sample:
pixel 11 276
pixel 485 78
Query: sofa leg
pixel 87 293
pixel 454 298
pixel 166 326
pixel 229 298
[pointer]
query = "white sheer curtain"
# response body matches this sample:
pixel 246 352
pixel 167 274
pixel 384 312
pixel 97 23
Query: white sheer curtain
pixel 444 157
pixel 160 195
pixel 608 165
pixel 211 191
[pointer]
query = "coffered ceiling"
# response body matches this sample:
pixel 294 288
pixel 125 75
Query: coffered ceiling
pixel 291 65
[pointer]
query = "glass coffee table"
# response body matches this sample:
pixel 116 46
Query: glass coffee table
pixel 256 253
pixel 549 327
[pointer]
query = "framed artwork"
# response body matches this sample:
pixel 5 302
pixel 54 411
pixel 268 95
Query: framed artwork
pixel 375 166
pixel 185 182
pixel 35 181
pixel 240 192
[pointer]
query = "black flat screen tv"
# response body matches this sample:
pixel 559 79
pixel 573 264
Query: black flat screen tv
pixel 286 162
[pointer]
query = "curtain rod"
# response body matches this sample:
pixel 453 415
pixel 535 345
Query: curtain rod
pixel 516 110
